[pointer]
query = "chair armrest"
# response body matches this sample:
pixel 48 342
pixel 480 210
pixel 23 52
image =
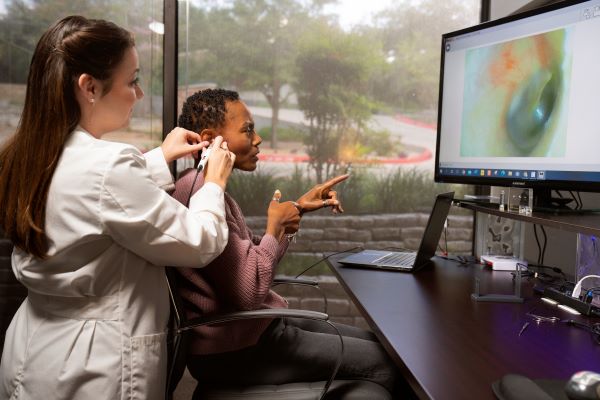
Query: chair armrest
pixel 254 314
pixel 303 282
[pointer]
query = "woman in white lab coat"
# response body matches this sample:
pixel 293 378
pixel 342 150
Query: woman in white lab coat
pixel 92 224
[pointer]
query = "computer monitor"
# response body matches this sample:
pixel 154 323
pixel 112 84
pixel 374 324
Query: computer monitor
pixel 519 101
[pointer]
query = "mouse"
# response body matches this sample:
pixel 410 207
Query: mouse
pixel 584 385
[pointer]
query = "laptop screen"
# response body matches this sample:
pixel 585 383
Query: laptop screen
pixel 434 228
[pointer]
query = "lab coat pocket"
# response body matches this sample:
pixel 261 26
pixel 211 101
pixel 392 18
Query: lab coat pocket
pixel 148 366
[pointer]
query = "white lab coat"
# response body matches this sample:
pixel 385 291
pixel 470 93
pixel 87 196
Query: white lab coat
pixel 94 323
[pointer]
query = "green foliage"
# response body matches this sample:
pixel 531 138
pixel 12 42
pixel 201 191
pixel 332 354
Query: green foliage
pixel 402 190
pixel 248 45
pixel 284 134
pixel 252 191
pixel 410 33
pixel 333 70
pixel 355 145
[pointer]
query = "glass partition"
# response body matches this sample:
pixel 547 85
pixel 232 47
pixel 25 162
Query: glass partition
pixel 23 22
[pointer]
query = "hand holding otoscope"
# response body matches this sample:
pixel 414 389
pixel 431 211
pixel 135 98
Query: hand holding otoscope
pixel 220 166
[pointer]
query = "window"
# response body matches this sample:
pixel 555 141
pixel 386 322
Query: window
pixel 23 22
pixel 330 91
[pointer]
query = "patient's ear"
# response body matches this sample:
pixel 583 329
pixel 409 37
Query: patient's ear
pixel 208 134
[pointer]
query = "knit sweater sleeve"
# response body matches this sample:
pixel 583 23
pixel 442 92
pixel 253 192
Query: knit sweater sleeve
pixel 244 272
pixel 284 243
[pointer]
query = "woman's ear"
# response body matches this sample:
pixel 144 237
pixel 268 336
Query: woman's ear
pixel 88 87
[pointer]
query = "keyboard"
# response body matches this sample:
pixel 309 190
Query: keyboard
pixel 397 259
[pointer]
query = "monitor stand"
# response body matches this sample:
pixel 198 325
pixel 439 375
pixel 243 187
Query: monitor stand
pixel 500 298
pixel 544 202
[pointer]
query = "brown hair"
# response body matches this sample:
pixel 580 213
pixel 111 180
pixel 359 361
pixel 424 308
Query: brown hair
pixel 72 46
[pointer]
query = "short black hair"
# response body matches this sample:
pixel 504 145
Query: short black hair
pixel 206 109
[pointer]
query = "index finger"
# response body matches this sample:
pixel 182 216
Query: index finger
pixel 336 180
pixel 218 141
pixel 193 136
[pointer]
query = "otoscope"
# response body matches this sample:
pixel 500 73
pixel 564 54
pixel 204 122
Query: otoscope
pixel 200 167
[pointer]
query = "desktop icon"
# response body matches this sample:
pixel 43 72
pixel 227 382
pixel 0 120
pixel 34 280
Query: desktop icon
pixel 541 175
pixel 489 172
pixel 525 174
pixel 509 173
pixel 532 174
pixel 482 172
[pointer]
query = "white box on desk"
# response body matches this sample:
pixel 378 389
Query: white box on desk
pixel 504 263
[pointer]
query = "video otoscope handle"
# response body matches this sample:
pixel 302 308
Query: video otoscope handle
pixel 204 158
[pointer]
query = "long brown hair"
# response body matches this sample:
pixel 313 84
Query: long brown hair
pixel 72 46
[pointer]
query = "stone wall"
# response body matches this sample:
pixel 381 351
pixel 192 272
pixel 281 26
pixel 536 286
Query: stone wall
pixel 319 234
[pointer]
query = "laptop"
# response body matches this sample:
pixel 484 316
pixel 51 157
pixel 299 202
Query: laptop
pixel 408 261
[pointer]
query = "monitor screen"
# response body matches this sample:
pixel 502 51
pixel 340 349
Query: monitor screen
pixel 520 101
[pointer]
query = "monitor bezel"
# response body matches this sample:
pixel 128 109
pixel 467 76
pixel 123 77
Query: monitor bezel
pixel 553 184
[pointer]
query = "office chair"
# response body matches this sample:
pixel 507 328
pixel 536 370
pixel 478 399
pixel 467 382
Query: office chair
pixel 178 349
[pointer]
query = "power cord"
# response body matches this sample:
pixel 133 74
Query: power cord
pixel 580 201
pixel 541 247
pixel 577 289
pixel 326 257
pixel 593 329
pixel 577 204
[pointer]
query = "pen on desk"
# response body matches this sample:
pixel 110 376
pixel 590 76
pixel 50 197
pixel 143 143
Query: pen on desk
pixel 525 325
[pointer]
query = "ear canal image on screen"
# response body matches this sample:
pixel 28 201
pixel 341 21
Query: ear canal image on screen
pixel 531 108
pixel 515 99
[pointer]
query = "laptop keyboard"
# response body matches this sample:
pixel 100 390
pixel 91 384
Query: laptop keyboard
pixel 399 259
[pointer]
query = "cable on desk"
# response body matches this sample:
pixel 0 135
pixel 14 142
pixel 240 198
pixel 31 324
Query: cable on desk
pixel 537 240
pixel 326 257
pixel 577 204
pixel 545 243
pixel 541 247
pixel 593 329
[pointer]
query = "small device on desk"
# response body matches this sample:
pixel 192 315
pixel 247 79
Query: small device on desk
pixel 504 263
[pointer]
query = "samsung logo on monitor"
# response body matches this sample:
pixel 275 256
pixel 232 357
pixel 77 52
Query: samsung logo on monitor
pixel 518 183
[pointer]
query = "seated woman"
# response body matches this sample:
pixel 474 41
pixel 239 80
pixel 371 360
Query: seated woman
pixel 263 351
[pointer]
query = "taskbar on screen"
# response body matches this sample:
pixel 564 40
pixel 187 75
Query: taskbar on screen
pixel 521 174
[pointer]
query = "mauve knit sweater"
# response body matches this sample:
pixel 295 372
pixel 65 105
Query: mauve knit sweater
pixel 238 279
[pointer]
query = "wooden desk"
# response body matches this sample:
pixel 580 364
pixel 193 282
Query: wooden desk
pixel 450 347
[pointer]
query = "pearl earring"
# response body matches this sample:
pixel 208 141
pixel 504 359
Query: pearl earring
pixel 92 101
